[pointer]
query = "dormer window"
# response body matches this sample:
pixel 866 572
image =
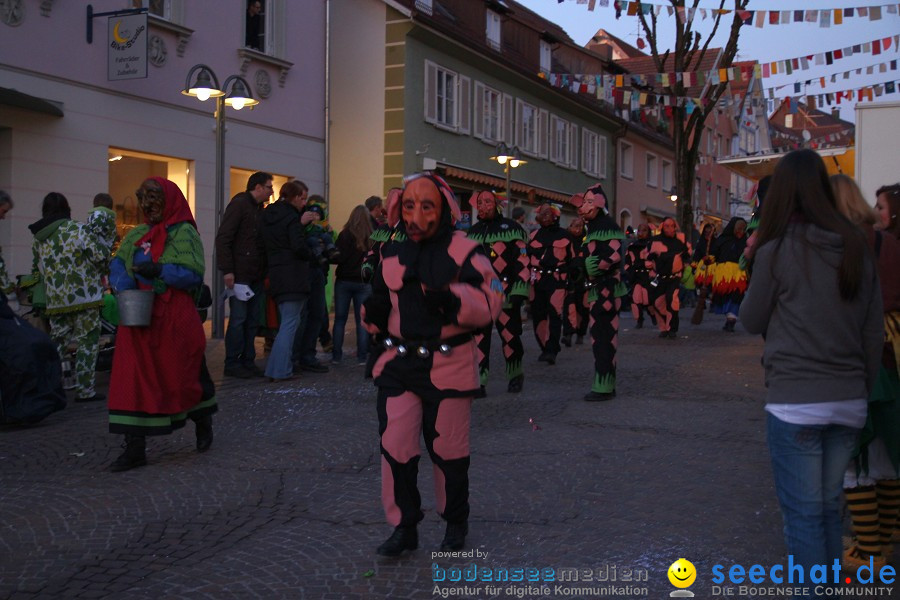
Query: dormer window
pixel 493 30
pixel 546 54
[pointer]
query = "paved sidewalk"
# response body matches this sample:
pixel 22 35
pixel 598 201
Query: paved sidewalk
pixel 286 503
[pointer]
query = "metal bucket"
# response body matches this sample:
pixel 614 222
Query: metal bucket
pixel 135 307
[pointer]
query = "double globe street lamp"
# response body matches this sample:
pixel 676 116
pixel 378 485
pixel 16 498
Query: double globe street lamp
pixel 510 159
pixel 204 86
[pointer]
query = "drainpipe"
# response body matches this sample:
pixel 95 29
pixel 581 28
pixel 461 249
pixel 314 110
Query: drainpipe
pixel 327 101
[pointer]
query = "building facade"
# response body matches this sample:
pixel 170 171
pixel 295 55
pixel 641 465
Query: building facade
pixel 65 127
pixel 451 83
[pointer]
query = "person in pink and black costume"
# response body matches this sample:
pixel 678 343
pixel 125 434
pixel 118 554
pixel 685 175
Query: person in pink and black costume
pixel 431 293
pixel 601 257
pixel 504 242
pixel 551 253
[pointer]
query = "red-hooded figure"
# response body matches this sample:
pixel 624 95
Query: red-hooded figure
pixel 430 294
pixel 504 242
pixel 601 256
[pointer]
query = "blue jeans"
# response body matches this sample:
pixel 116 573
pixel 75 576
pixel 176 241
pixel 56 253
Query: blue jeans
pixel 279 365
pixel 240 337
pixel 808 462
pixel 307 335
pixel 344 292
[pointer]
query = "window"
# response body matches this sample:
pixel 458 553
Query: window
pixel 563 142
pixel 720 145
pixel 708 195
pixel 709 142
pixel 493 30
pixel 695 199
pixel 718 198
pixel 546 56
pixel 626 168
pixel 667 181
pixel 159 8
pixel 593 155
pixel 652 178
pixel 447 99
pixel 488 121
pixel 255 26
pixel 531 129
pixel 424 6
pixel 264 26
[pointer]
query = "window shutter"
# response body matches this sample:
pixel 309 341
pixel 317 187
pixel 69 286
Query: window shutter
pixel 601 154
pixel 517 141
pixel 509 121
pixel 478 111
pixel 542 126
pixel 554 142
pixel 585 158
pixel 465 104
pixel 430 92
pixel 573 145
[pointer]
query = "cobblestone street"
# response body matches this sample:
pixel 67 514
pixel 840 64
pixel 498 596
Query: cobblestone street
pixel 286 503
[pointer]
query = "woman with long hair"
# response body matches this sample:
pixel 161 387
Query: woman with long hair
pixel 815 297
pixel 354 243
pixel 871 484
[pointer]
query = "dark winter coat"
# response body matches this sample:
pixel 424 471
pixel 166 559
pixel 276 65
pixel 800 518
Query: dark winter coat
pixel 287 253
pixel 238 246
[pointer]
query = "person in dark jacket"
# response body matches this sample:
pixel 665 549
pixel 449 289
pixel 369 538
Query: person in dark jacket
pixel 241 257
pixel 287 256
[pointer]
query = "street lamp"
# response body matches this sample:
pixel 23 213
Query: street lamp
pixel 510 159
pixel 204 87
pixel 673 195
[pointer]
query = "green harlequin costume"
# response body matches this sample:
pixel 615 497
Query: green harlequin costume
pixel 68 260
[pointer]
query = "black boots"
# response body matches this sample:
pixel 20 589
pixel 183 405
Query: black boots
pixel 403 538
pixel 515 384
pixel 729 325
pixel 599 396
pixel 455 536
pixel 547 357
pixel 135 454
pixel 566 340
pixel 204 433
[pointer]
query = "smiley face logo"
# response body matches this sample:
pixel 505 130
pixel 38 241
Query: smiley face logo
pixel 682 573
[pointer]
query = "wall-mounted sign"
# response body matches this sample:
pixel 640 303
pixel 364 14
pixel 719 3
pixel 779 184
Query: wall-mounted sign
pixel 127 54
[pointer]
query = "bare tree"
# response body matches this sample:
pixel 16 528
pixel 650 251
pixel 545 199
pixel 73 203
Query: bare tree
pixel 687 56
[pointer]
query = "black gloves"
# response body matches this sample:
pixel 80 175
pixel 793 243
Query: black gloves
pixel 148 270
pixel 443 303
pixel 378 309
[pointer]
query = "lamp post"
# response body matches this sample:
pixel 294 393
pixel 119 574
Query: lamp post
pixel 510 160
pixel 204 87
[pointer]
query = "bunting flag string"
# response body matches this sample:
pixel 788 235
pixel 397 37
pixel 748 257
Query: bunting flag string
pixel 611 89
pixel 825 17
pixel 832 78
pixel 733 73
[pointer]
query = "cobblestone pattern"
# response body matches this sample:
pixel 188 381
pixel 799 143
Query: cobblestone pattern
pixel 286 504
